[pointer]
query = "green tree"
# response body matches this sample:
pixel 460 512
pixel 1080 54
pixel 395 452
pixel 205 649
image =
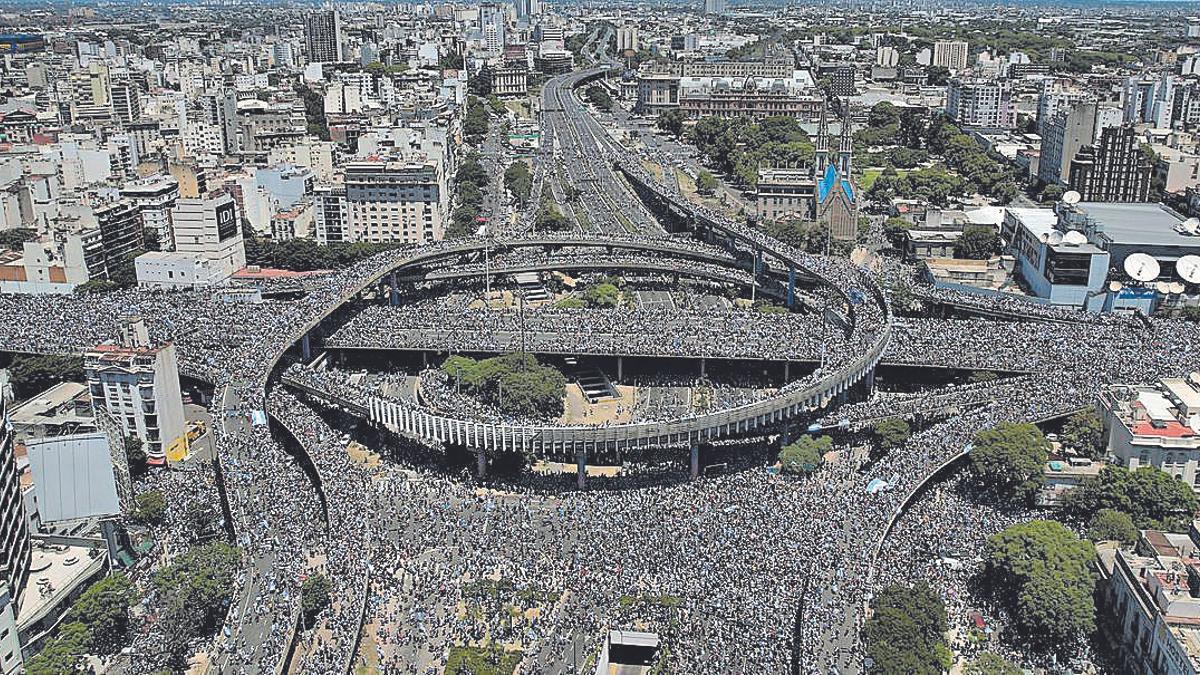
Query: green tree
pixel 103 610
pixel 516 384
pixel 135 454
pixel 1008 460
pixel 97 286
pixel 989 663
pixel 151 507
pixel 195 590
pixel 61 653
pixel 14 238
pixel 519 181
pixel 977 242
pixel 804 456
pixel 1052 193
pixel 894 229
pixel 314 596
pixel 602 295
pixel 939 76
pixel 1084 431
pixel 706 183
pixel 1112 525
pixel 32 374
pixel 1152 498
pixel 905 633
pixel 599 97
pixel 883 114
pixel 549 218
pixel 475 122
pixel 471 171
pixel 892 432
pixel 671 121
pixel 1044 573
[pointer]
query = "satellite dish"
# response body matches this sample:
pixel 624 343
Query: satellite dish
pixel 1071 197
pixel 1056 238
pixel 1163 287
pixel 1074 238
pixel 1177 288
pixel 1045 237
pixel 1141 267
pixel 1115 285
pixel 1188 268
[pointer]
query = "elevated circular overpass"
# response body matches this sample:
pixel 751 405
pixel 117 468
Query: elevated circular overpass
pixel 851 363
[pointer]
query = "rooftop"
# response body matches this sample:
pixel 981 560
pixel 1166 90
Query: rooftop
pixel 39 408
pixel 1137 224
pixel 56 570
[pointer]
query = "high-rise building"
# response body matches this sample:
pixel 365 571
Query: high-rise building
pixel 208 226
pixel 122 234
pixel 627 38
pixel 714 7
pixel 950 54
pixel 332 213
pixel 980 103
pixel 90 93
pixel 1054 97
pixel 1113 170
pixel 137 384
pixel 492 25
pixel 1062 137
pixel 384 201
pixel 155 198
pixel 887 56
pixel 126 101
pixel 323 36
pixel 841 78
pixel 14 530
pixel 218 110
pixel 396 201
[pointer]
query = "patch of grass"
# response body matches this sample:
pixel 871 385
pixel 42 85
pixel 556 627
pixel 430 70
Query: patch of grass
pixel 482 661
pixel 869 176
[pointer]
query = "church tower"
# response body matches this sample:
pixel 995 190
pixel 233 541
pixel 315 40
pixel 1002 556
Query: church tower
pixel 846 145
pixel 821 156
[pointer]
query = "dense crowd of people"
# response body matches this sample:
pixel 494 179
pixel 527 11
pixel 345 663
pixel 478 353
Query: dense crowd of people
pixel 632 331
pixel 350 533
pixel 739 572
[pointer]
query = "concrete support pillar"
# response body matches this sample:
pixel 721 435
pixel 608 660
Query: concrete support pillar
pixel 870 381
pixel 702 365
pixel 481 462
pixel 424 359
pixel 620 368
pixel 306 348
pixel 395 296
pixel 787 371
pixel 581 469
pixel 791 296
pixel 695 460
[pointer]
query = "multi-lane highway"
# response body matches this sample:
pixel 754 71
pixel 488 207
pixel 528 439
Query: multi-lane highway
pixel 604 202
